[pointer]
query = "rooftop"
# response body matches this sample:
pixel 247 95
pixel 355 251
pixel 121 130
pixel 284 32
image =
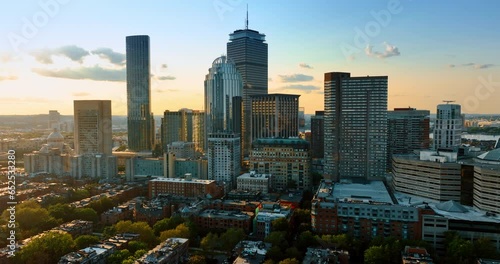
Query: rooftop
pixel 163 179
pixel 214 213
pixel 253 175
pixel 372 192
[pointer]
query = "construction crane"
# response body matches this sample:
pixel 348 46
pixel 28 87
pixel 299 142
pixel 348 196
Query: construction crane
pixel 448 101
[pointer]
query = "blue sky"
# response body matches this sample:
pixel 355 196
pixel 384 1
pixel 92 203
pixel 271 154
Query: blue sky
pixel 431 50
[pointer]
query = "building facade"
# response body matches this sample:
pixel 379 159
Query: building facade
pixel 407 130
pixel 224 158
pixel 254 182
pixel 93 140
pixel 139 117
pixel 249 51
pixel 287 160
pixel 432 175
pixel 224 219
pixel 486 190
pixel 185 125
pixel 222 83
pixel 184 187
pixel 274 116
pixel 364 211
pixel 448 127
pixel 355 126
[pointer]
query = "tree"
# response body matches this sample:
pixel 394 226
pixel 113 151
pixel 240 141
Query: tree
pixel 278 239
pixel 118 257
pixel 231 237
pixel 167 223
pixel 134 246
pixel 87 214
pixel 280 224
pixel 32 219
pixel 293 252
pixel 61 211
pixel 275 254
pixel 145 232
pixel 197 259
pixel 180 231
pixel 305 240
pixel 289 261
pixel 139 253
pixel 484 248
pixel 376 255
pixel 210 242
pixel 48 248
pixel 84 241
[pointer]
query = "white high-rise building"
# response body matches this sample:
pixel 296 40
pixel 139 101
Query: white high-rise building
pixel 448 126
pixel 224 154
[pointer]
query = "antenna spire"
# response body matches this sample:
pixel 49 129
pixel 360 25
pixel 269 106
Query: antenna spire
pixel 246 22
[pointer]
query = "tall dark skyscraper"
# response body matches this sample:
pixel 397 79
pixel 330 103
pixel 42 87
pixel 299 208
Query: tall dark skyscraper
pixel 355 127
pixel 140 121
pixel 248 50
pixel 407 130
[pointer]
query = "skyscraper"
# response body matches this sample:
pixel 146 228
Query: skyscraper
pixel 222 83
pixel 184 125
pixel 93 127
pixel 274 116
pixel 448 126
pixel 54 119
pixel 408 130
pixel 355 126
pixel 223 154
pixel 248 50
pixel 317 135
pixel 140 121
pixel 93 140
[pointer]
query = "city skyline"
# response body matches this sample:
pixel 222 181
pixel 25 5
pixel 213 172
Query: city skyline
pixel 51 53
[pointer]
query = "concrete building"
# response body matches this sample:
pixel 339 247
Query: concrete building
pixel 224 159
pixel 448 126
pixel 326 256
pixel 432 175
pixel 185 125
pixel 223 220
pixel 486 194
pixel 363 211
pixel 274 116
pixel 287 160
pixel 53 158
pixel 251 252
pixel 140 120
pixel 355 127
pixel 254 182
pixel 171 251
pixel 168 166
pixel 182 150
pixel 54 119
pixel 266 213
pixel 93 140
pixel 407 130
pixel 184 187
pixel 248 50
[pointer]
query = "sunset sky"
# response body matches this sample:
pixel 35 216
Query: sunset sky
pixel 55 51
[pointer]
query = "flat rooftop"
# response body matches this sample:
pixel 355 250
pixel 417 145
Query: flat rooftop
pixel 371 192
pixel 163 179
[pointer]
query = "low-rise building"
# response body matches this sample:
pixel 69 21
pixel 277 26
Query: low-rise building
pixel 185 187
pixel 171 251
pixel 252 181
pixel 265 214
pixel 326 256
pixel 224 219
pixel 363 211
pixel 414 255
pixel 250 252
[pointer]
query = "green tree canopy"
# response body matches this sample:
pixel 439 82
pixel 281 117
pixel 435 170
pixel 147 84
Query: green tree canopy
pixel 167 223
pixel 84 241
pixel 231 237
pixel 181 230
pixel 48 248
pixel 145 232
